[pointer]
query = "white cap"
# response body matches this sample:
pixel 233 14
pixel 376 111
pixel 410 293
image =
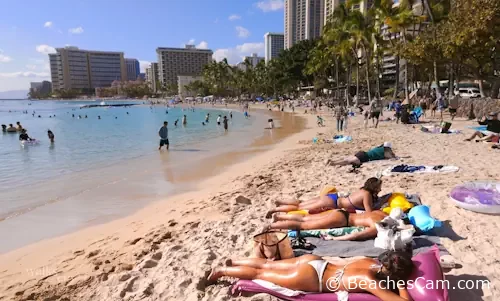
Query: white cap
pixel 388 144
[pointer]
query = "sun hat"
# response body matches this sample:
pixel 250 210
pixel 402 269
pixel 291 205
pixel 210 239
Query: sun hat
pixel 388 144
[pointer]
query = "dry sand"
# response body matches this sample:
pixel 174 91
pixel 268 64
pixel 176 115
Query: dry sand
pixel 164 251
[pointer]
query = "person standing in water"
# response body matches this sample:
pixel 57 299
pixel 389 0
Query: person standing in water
pixel 218 119
pixel 225 123
pixel 207 117
pixel 51 136
pixel 4 128
pixel 184 120
pixel 163 133
pixel 175 122
pixel 231 114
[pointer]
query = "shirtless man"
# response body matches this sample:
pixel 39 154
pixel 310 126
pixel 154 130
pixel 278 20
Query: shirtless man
pixel 333 219
pixel 361 200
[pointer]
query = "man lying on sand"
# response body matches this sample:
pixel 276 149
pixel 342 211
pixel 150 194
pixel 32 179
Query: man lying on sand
pixel 361 200
pixel 333 219
pixel 311 273
pixel 377 153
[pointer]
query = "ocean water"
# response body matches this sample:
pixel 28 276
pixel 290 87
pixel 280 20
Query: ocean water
pixel 99 169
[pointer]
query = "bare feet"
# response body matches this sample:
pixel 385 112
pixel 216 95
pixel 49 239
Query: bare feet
pixel 213 277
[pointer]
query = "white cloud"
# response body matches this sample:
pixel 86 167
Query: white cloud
pixel 76 30
pixel 236 54
pixel 45 49
pixel 4 58
pixel 31 67
pixel 234 17
pixel 191 42
pixel 270 5
pixel 143 65
pixel 202 45
pixel 48 24
pixel 242 32
pixel 29 74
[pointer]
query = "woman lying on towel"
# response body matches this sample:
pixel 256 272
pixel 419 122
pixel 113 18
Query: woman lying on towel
pixel 310 273
pixel 332 219
pixel 361 200
pixel 377 153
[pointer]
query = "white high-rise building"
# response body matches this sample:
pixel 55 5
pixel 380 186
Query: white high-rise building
pixel 304 20
pixel 274 44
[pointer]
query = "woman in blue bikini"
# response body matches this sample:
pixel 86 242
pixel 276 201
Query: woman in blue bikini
pixel 310 273
pixel 361 200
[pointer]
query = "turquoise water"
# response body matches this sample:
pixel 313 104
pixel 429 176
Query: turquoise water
pixel 99 169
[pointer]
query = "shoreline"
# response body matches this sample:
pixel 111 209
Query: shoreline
pixel 164 251
pixel 129 186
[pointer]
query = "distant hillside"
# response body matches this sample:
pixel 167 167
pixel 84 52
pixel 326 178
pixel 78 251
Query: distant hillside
pixel 14 94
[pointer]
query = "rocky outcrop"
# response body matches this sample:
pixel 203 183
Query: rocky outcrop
pixel 481 106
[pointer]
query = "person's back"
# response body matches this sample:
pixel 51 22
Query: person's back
pixel 366 219
pixel 376 153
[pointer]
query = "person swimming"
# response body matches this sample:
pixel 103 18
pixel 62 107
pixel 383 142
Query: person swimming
pixel 361 200
pixel 4 128
pixel 312 274
pixel 175 122
pixel 19 126
pixel 24 136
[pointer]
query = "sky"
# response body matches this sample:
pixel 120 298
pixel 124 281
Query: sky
pixel 31 29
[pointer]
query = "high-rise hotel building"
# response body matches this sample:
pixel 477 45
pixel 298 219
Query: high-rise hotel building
pixel 304 20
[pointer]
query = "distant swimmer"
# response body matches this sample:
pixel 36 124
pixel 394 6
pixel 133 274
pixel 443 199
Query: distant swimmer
pixel 231 114
pixel 73 115
pixel 218 120
pixel 86 116
pixel 166 112
pixel 24 136
pixel 79 116
pixel 163 133
pixel 207 117
pixel 11 129
pixel 225 123
pixel 39 116
pixel 203 123
pixel 4 128
pixel 51 136
pixel 98 117
pixel 19 126
pixel 116 117
pixel 127 113
pixel 184 120
pixel 176 121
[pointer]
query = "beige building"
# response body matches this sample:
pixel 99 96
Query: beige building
pixel 73 68
pixel 183 81
pixel 173 62
pixel 152 76
pixel 304 20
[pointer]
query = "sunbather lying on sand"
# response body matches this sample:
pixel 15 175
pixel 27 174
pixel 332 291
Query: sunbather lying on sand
pixel 361 200
pixel 378 153
pixel 310 273
pixel 333 219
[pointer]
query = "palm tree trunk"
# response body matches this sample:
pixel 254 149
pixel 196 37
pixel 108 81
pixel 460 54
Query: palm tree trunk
pixel 481 88
pixel 396 84
pixel 357 80
pixel 368 80
pixel 337 96
pixel 378 76
pixel 451 81
pixel 348 84
pixel 436 74
pixel 407 97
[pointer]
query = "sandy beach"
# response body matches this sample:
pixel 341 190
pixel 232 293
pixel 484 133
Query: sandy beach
pixel 164 251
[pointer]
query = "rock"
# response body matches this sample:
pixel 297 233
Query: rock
pixel 243 200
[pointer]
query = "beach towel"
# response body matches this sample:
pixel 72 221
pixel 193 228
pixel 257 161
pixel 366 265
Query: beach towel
pixel 321 232
pixel 346 249
pixel 340 139
pixel 419 169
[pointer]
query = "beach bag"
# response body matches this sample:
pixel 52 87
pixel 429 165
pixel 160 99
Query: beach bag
pixel 272 245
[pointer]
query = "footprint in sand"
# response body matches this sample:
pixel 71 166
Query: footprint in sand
pixel 149 264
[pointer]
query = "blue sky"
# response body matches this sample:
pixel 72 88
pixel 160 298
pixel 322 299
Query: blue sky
pixel 30 29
